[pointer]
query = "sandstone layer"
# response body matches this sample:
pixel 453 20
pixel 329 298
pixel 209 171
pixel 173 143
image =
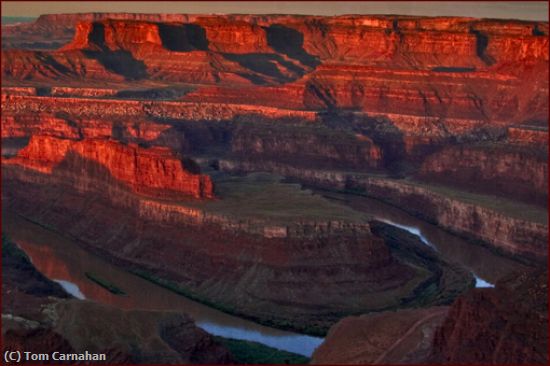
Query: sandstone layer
pixel 155 172
pixel 382 93
pixel 402 337
pixel 497 158
pixel 376 64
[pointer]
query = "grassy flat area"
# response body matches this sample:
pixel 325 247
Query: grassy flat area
pixel 265 196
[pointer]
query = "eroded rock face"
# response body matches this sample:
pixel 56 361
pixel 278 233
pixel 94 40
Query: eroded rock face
pixel 494 168
pixel 299 283
pixel 149 171
pixel 402 337
pixel 405 96
pixel 505 325
pixel 401 88
pixel 37 341
pixel 476 69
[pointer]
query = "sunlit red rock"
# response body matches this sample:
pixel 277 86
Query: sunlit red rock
pixel 151 171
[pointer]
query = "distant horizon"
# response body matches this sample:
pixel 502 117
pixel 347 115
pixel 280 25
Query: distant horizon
pixel 521 10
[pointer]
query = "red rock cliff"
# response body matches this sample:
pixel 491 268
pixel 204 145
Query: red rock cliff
pixel 267 49
pixel 506 325
pixel 154 171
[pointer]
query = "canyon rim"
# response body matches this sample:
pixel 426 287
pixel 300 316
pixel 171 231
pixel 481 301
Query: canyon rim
pixel 274 187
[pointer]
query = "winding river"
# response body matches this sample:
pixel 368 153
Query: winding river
pixel 63 261
pixel 480 282
pixel 486 266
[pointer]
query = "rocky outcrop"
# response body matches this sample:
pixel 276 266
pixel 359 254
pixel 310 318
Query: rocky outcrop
pixel 460 213
pixel 502 325
pixel 25 290
pixel 155 172
pixel 537 135
pixel 510 171
pixel 351 141
pixel 290 274
pixel 402 337
pixel 163 110
pixel 333 37
pixel 68 127
pixel 48 160
pixel 364 93
pixel 443 100
pixel 326 147
pixel 505 325
pixel 162 337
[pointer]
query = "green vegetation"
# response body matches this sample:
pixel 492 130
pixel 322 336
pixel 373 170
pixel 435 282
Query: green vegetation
pixel 265 196
pixel 104 283
pixel 253 353
pixel 311 329
pixel 174 287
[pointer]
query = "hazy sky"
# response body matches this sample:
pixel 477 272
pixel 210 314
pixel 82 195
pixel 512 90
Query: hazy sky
pixel 530 10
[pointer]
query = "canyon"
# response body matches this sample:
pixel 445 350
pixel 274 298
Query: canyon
pixel 231 159
pixel 281 252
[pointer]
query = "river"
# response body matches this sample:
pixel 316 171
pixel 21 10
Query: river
pixel 63 261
